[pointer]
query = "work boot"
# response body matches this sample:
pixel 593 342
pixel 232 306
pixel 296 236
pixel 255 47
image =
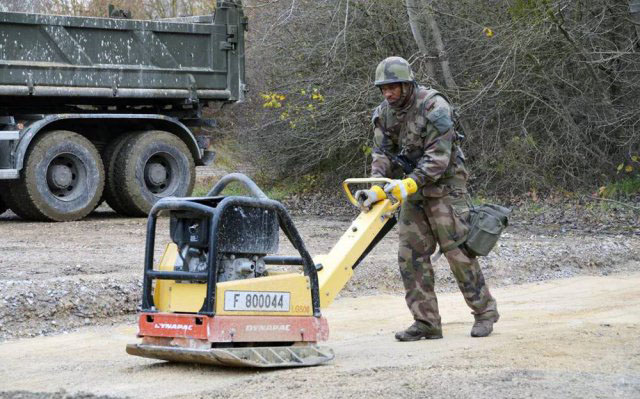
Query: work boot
pixel 483 325
pixel 417 331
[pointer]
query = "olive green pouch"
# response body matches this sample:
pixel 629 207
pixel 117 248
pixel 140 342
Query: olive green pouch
pixel 487 223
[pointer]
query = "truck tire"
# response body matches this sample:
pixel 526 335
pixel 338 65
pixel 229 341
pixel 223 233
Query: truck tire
pixel 150 166
pixel 111 186
pixel 14 204
pixel 62 178
pixel 3 205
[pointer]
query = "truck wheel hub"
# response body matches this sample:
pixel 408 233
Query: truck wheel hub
pixel 60 176
pixel 156 174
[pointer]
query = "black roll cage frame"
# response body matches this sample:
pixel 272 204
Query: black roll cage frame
pixel 214 215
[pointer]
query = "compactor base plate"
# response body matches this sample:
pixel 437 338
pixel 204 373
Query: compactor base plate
pixel 266 356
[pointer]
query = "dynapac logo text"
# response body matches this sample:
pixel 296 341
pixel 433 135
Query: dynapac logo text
pixel 268 327
pixel 167 326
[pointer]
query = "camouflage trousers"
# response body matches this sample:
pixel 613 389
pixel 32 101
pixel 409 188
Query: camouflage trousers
pixel 424 222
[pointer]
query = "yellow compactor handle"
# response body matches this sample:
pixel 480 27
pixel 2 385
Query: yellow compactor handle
pixel 369 180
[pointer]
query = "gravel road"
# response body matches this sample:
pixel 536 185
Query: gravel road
pixel 568 295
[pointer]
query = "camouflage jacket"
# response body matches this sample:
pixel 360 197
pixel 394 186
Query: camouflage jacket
pixel 424 133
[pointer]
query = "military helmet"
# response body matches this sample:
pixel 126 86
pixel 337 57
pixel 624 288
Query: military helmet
pixel 393 70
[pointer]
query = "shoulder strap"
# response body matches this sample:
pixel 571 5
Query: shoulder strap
pixel 433 93
pixel 455 116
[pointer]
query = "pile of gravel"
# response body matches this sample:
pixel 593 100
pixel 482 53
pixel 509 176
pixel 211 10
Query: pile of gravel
pixel 31 308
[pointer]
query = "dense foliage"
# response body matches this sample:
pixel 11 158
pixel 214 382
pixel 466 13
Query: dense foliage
pixel 549 89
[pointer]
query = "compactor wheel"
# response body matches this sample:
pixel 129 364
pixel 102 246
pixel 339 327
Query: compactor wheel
pixel 62 179
pixel 150 166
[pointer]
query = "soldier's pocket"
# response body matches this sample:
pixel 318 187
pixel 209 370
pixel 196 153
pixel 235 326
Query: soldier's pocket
pixel 449 217
pixel 459 227
pixel 460 205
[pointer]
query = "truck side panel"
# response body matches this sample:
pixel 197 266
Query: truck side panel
pixel 165 59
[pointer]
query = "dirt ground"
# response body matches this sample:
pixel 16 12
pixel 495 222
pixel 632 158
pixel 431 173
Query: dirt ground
pixel 569 300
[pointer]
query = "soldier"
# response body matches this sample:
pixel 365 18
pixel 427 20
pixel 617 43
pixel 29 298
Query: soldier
pixel 415 124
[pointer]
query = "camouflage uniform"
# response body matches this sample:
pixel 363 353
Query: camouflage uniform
pixel 422 130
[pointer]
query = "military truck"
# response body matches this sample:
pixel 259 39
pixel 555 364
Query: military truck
pixel 95 109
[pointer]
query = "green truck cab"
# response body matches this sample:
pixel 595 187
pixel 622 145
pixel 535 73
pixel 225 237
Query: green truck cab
pixel 95 109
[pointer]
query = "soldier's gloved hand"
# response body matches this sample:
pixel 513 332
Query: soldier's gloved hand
pixel 366 198
pixel 401 189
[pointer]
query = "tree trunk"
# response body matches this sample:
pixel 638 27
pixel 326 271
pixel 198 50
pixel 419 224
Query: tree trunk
pixel 634 10
pixel 414 13
pixel 449 82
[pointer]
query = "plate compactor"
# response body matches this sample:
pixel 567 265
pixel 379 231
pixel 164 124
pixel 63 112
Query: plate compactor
pixel 213 298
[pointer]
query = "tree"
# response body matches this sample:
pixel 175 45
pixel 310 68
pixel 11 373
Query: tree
pixel 547 86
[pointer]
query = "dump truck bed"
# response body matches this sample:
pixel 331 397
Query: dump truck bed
pixel 104 60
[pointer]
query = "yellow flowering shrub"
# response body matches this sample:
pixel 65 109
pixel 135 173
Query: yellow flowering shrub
pixel 301 104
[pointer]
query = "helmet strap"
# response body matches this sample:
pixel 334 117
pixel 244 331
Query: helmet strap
pixel 406 94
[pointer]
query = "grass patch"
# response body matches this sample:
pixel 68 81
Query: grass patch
pixel 227 153
pixel 203 186
pixel 621 189
pixel 276 190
